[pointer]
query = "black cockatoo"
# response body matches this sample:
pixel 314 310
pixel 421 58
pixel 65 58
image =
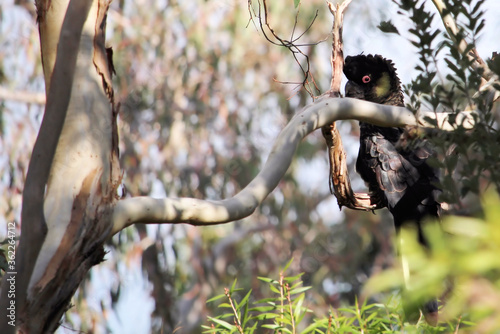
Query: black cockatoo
pixel 396 172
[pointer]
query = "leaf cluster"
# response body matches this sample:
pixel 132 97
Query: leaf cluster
pixel 462 267
pixel 285 310
pixel 282 312
pixel 470 159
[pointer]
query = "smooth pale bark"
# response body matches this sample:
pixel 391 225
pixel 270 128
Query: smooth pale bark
pixel 73 173
pixel 201 212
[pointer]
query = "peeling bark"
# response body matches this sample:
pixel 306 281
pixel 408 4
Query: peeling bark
pixel 102 62
pixel 79 250
pixel 74 169
pixel 339 181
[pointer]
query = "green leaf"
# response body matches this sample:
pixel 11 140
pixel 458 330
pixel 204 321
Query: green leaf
pixel 266 316
pixel 245 317
pixel 299 290
pixel 370 317
pixel 287 265
pixel 298 306
pixel 294 278
pixel 322 323
pixel 388 27
pixel 262 309
pixel 222 323
pixel 296 3
pixel 244 300
pixel 266 301
pixel 233 286
pixel 225 305
pixel 267 280
pixel 275 289
pixel 216 298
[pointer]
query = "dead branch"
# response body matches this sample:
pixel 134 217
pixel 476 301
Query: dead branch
pixel 339 181
pixel 337 57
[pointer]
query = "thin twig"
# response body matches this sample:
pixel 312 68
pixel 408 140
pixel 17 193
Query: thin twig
pixel 282 298
pixel 291 45
pixel 236 317
pixel 330 321
pixel 289 299
pixel 339 181
pixel 458 325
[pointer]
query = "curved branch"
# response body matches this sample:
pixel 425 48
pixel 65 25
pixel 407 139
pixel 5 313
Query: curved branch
pixel 325 111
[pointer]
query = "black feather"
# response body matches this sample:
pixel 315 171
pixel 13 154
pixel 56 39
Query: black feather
pixel 394 171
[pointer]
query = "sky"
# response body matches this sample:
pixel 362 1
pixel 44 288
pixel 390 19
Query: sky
pixel 357 38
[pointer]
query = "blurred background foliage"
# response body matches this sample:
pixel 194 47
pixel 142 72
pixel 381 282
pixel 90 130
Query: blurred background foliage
pixel 462 266
pixel 202 97
pixel 202 100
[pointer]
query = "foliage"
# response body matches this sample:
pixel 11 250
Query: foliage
pixel 470 160
pixel 464 256
pixel 463 265
pixel 285 310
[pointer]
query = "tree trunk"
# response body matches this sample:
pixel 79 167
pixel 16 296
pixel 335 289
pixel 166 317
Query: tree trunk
pixel 73 172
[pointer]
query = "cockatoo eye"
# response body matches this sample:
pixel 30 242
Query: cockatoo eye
pixel 366 79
